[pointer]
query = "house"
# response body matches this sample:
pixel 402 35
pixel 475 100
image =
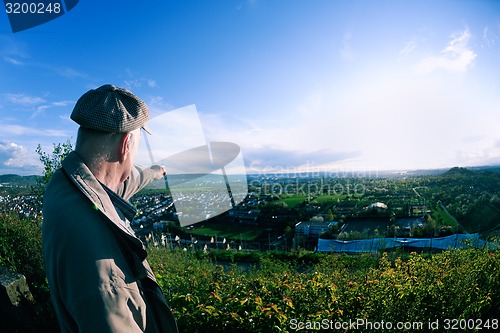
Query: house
pixel 245 216
pixel 418 210
pixel 378 206
pixel 311 229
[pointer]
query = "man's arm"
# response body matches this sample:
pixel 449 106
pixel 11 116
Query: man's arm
pixel 138 179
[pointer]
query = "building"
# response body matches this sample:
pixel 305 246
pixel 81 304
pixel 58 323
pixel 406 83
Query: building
pixel 378 206
pixel 418 210
pixel 245 216
pixel 312 229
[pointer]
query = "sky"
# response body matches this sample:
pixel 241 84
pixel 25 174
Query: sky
pixel 299 85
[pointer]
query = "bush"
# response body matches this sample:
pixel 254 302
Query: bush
pixel 21 251
pixel 274 291
pixel 21 246
pixel 276 294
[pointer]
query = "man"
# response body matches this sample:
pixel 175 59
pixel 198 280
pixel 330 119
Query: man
pixel 96 267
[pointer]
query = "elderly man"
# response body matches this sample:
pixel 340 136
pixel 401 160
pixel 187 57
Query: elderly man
pixel 98 275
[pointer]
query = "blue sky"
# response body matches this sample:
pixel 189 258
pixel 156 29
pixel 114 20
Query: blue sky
pixel 299 85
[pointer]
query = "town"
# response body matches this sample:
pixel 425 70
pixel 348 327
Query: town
pixel 289 211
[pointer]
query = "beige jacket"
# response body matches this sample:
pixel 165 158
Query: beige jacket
pixel 96 267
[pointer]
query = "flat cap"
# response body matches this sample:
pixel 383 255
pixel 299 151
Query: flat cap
pixel 111 109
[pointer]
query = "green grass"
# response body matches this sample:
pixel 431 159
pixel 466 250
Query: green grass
pixel 294 201
pixel 447 218
pixel 327 198
pixel 230 231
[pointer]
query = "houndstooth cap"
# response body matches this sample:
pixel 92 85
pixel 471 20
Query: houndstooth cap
pixel 111 109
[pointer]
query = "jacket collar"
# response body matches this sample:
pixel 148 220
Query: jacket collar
pixel 82 177
pixel 121 205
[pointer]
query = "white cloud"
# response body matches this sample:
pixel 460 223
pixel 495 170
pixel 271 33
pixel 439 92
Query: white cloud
pixel 152 83
pixel 22 99
pixel 41 108
pixel 457 56
pixel 68 72
pixel 133 81
pixel 15 158
pixel 9 130
pixel 10 46
pixel 270 159
pixel 12 51
pixel 489 37
pixel 12 61
pixel 65 117
pixel 484 154
pixel 158 106
pixel 39 104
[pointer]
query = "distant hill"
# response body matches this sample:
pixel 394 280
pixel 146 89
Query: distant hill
pixel 16 180
pixel 471 195
pixel 490 168
pixel 458 171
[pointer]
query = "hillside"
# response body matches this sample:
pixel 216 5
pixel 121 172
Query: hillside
pixel 17 185
pixel 16 180
pixel 457 171
pixel 471 196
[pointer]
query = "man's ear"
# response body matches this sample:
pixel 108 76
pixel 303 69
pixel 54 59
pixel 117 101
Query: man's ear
pixel 124 147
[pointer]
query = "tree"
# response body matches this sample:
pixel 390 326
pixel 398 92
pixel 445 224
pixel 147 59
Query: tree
pixel 317 219
pixel 51 162
pixel 329 216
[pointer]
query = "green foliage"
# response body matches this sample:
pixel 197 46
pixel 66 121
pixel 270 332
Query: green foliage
pixel 21 243
pixel 470 196
pixel 294 200
pixel 265 297
pixel 229 291
pixel 21 251
pixel 229 231
pixel 21 246
pixel 51 162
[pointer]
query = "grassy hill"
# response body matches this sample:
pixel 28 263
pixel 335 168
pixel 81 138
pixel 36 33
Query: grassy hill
pixel 17 185
pixel 469 195
pixel 16 180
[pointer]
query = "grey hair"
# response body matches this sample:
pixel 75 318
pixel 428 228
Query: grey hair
pixel 96 147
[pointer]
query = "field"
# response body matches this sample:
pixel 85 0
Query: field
pixel 443 217
pixel 294 201
pixel 329 198
pixel 229 231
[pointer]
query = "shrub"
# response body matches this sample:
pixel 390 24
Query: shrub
pixel 271 296
pixel 21 251
pixel 274 290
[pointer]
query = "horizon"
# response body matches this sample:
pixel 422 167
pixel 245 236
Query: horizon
pixel 346 85
pixel 333 173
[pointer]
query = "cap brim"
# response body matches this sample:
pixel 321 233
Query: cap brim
pixel 147 129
